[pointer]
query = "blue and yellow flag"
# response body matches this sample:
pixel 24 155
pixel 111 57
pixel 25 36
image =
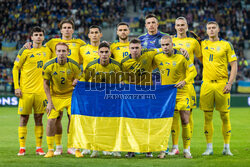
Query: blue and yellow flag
pixel 243 87
pixel 115 117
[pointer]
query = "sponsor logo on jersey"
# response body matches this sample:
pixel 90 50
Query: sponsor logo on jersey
pixel 87 53
pixel 32 56
pixel 55 73
pixel 161 64
pixel 206 48
pixel 118 48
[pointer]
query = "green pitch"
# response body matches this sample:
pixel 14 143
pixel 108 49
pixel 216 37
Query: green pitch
pixel 240 145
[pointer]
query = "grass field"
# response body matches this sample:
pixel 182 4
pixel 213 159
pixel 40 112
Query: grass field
pixel 240 145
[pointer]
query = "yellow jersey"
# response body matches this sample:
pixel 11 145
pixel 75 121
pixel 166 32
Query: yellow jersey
pixel 30 62
pixel 174 69
pixel 95 72
pixel 190 44
pixel 119 50
pixel 216 56
pixel 74 47
pixel 61 77
pixel 88 53
pixel 139 72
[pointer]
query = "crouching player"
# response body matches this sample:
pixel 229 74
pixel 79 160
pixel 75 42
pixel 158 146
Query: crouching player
pixel 173 67
pixel 103 70
pixel 60 75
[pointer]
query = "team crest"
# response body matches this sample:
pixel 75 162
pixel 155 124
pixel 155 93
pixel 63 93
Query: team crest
pixel 218 48
pixel 68 71
pixel 188 45
pixel 44 54
pixel 73 44
pixel 21 109
pixel 174 63
pixel 144 62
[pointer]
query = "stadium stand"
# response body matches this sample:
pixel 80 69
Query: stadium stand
pixel 17 17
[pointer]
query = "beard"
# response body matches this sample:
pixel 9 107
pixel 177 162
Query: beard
pixel 124 38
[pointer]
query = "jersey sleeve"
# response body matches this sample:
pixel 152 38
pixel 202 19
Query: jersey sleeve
pixel 191 70
pixel 20 59
pixel 77 72
pixel 46 72
pixel 197 50
pixel 230 53
pixel 82 42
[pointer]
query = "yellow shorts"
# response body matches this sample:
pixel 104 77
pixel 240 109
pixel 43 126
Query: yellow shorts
pixel 182 102
pixel 60 104
pixel 31 100
pixel 192 95
pixel 212 95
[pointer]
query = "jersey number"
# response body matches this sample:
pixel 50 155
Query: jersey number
pixel 40 64
pixel 211 57
pixel 69 52
pixel 62 80
pixel 124 54
pixel 168 71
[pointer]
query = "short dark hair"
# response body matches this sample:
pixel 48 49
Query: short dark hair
pixel 151 16
pixel 121 24
pixel 96 26
pixel 37 29
pixel 67 21
pixel 135 40
pixel 104 44
pixel 62 43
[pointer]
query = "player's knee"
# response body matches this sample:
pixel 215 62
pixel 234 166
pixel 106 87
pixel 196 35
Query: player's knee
pixel 51 123
pixel 38 119
pixel 24 120
pixel 208 116
pixel 224 117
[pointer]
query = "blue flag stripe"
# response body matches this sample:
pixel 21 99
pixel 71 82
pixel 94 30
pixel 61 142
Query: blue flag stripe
pixel 151 103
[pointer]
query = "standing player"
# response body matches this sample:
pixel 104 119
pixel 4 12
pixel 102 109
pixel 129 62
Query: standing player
pixel 30 91
pixel 120 49
pixel 152 38
pixel 89 52
pixel 176 69
pixel 60 75
pixel 183 40
pixel 215 89
pixel 103 70
pixel 137 68
pixel 67 29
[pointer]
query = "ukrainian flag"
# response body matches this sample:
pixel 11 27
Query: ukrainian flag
pixel 244 87
pixel 113 117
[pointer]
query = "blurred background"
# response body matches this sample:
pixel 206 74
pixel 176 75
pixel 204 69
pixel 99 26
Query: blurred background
pixel 19 16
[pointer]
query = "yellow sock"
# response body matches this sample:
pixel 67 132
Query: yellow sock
pixel 50 142
pixel 39 135
pixel 226 127
pixel 186 135
pixel 208 127
pixel 58 139
pixel 70 144
pixel 175 130
pixel 191 124
pixel 22 134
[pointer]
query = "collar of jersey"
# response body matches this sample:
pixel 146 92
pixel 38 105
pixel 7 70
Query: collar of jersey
pixel 99 60
pixel 67 60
